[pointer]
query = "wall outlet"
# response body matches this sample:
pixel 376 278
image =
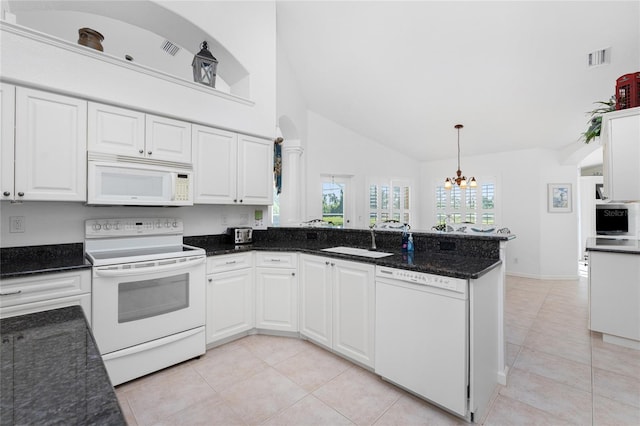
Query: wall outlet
pixel 16 224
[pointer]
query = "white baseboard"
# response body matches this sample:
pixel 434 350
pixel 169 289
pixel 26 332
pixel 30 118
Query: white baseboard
pixel 544 277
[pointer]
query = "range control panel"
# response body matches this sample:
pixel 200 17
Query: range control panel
pixel 458 285
pixel 101 228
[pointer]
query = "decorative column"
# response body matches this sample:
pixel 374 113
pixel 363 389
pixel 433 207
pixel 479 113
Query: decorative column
pixel 291 196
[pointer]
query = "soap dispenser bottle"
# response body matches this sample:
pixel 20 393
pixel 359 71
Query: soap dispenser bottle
pixel 410 243
pixel 405 240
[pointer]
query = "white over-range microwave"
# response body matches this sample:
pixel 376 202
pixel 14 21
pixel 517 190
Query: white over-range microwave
pixel 130 181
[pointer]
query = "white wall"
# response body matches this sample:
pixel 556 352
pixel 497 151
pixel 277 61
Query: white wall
pixel 546 243
pixel 60 223
pixel 336 150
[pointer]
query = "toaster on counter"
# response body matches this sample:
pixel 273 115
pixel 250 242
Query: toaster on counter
pixel 242 235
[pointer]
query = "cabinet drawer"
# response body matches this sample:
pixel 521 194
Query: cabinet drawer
pixel 229 262
pixel 276 259
pixel 17 291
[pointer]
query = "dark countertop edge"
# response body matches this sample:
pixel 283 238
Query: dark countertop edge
pixel 614 250
pixel 22 274
pixel 632 248
pixel 392 261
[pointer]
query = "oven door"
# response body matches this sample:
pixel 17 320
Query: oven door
pixel 134 303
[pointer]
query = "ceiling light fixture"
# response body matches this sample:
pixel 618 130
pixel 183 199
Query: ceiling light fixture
pixel 459 179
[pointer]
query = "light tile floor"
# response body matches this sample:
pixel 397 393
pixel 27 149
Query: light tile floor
pixel 560 373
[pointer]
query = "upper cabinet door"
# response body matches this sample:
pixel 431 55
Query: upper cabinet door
pixel 114 130
pixel 255 170
pixel 621 154
pixel 50 147
pixel 215 165
pixel 168 139
pixel 7 123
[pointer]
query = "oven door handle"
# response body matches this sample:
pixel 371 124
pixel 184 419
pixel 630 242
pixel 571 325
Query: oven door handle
pixel 147 268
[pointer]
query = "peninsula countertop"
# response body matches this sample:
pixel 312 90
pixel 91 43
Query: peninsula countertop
pixel 52 371
pixel 614 245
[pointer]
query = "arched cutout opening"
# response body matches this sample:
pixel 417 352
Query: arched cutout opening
pixel 138 29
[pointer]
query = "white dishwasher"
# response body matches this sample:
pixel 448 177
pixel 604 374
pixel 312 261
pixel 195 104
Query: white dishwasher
pixel 422 335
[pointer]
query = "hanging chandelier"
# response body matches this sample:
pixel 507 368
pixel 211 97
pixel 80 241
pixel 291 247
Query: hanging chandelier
pixel 459 179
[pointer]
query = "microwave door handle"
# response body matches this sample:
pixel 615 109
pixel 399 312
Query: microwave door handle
pixel 151 267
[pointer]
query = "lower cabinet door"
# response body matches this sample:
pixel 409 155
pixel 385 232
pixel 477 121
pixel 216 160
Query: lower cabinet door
pixel 353 310
pixel 315 299
pixel 230 307
pixel 276 299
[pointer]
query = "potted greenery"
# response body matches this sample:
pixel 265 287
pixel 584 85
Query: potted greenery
pixel 595 123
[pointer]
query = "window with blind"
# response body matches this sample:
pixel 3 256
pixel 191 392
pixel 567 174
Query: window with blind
pixel 471 205
pixel 390 201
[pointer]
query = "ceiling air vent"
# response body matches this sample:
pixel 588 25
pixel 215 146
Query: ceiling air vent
pixel 599 57
pixel 170 48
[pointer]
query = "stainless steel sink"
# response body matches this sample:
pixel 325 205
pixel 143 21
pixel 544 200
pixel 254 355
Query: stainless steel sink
pixel 358 252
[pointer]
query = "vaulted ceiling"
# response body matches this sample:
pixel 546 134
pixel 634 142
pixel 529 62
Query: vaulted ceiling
pixel 404 73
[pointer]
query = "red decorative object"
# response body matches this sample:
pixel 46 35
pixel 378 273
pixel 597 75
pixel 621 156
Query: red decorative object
pixel 628 91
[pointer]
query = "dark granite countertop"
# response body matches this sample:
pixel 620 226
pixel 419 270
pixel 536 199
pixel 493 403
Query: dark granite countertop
pixel 52 372
pixel 614 245
pixel 453 254
pixel 29 260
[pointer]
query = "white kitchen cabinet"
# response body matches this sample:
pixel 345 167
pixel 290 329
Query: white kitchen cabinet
pixel 230 296
pixel 621 154
pixel 276 291
pixel 36 293
pixel 168 139
pixel 121 131
pixel 338 305
pixel 231 168
pixel 315 299
pixel 255 170
pixel 7 140
pixel 614 295
pixel 353 310
pixel 49 158
pixel 215 165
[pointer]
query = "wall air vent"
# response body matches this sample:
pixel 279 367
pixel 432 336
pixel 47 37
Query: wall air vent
pixel 599 57
pixel 170 48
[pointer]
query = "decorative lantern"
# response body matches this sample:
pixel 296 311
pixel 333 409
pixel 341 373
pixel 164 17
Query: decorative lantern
pixel 204 66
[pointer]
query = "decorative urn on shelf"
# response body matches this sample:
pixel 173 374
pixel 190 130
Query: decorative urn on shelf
pixel 90 38
pixel 204 66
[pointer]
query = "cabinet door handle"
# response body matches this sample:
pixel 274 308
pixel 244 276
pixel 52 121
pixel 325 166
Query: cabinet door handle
pixel 333 264
pixel 274 260
pixel 20 194
pixel 11 292
pixel 230 262
pixel 326 263
pixel 149 152
pixel 235 200
pixel 6 193
pixel 210 279
pixel 293 274
pixel 141 151
pixel 241 200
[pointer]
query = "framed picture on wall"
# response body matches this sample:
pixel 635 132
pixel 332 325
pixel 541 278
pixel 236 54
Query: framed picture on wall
pixel 559 197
